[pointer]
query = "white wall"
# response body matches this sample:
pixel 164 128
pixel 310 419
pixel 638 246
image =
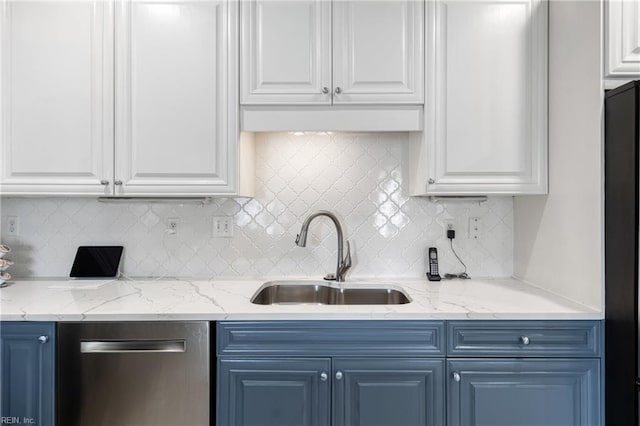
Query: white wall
pixel 358 176
pixel 558 239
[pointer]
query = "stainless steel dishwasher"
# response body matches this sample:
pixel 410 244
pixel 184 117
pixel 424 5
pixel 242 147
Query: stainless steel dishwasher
pixel 134 374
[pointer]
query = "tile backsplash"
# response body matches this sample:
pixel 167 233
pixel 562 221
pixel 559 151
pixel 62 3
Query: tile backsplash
pixel 359 177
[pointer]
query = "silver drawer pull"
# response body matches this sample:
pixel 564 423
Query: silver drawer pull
pixel 338 375
pixel 121 346
pixel 43 339
pixel 324 376
pixel 525 340
pixel 456 376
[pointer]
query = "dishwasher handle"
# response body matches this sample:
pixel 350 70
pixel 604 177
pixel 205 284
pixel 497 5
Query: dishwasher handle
pixel 128 346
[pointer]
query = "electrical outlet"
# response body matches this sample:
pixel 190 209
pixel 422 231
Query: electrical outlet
pixel 172 227
pixel 13 224
pixel 449 225
pixel 222 227
pixel 475 228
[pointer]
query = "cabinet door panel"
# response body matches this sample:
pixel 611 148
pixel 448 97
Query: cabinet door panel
pixel 172 92
pixel 622 38
pixel 57 91
pixel 378 51
pixel 487 118
pixel 286 52
pixel 388 392
pixel 273 392
pixel 27 368
pixel 533 392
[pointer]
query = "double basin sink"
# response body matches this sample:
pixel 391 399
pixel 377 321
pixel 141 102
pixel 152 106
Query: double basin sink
pixel 323 293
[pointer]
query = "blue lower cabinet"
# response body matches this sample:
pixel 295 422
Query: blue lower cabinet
pixel 27 372
pixel 388 392
pixel 524 392
pixel 274 392
pixel 341 373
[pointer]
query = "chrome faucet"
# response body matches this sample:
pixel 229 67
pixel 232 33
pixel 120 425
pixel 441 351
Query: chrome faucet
pixel 343 264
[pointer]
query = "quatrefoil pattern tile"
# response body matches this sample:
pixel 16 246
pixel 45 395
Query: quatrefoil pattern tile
pixel 359 177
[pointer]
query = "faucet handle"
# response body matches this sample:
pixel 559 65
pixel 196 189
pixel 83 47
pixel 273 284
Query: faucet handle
pixel 346 263
pixel 347 259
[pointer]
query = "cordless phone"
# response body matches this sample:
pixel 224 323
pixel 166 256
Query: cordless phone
pixel 432 273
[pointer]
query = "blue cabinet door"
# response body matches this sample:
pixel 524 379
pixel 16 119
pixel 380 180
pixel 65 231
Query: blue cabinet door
pixel 524 392
pixel 388 392
pixel 274 392
pixel 27 371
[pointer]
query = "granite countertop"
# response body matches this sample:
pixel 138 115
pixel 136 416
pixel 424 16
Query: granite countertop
pixel 228 299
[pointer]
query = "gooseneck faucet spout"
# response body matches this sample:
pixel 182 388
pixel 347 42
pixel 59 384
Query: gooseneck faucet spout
pixel 343 263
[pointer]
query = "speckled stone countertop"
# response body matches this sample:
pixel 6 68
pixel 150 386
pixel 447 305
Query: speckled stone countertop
pixel 224 299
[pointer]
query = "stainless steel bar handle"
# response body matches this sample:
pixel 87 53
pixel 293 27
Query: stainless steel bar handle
pixel 122 346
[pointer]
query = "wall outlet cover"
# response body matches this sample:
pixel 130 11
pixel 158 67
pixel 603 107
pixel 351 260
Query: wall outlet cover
pixel 475 228
pixel 172 227
pixel 12 227
pixel 222 227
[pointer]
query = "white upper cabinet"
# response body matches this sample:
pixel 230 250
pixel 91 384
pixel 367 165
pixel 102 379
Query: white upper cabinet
pixel 173 99
pixel 486 110
pixel 321 52
pixel 56 97
pixel 622 38
pixel 124 98
pixel 378 52
pixel 286 52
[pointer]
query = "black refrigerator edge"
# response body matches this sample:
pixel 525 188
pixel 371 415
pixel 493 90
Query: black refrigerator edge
pixel 622 140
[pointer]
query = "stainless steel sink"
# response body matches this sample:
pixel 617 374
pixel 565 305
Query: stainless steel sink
pixel 323 293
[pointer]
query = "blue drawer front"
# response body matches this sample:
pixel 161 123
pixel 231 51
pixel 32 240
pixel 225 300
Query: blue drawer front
pixel 329 338
pixel 524 338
